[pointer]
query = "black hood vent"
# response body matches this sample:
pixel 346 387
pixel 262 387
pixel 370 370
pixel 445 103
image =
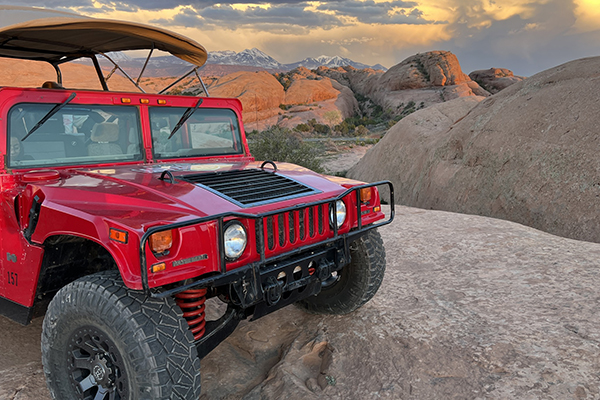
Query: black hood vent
pixel 250 187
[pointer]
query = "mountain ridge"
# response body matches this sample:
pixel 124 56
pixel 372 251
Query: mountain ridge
pixel 248 58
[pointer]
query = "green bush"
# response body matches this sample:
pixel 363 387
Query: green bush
pixel 302 128
pixel 282 144
pixel 321 128
pixel 361 130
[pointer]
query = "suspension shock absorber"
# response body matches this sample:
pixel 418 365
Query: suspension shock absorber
pixel 191 303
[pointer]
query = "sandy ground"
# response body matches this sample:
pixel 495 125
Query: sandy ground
pixel 470 308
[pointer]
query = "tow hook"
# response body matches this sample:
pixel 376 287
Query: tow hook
pixel 273 290
pixel 324 270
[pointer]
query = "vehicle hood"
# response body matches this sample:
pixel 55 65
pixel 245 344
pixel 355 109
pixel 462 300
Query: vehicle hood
pixel 136 197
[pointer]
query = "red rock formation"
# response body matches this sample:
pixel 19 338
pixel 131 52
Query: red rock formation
pixel 260 93
pixel 424 79
pixel 305 91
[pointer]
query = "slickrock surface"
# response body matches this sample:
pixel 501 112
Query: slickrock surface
pixel 470 308
pixel 528 154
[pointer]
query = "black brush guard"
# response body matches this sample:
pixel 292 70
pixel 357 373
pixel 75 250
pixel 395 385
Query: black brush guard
pixel 255 285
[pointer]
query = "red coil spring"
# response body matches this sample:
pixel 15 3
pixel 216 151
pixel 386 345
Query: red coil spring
pixel 191 303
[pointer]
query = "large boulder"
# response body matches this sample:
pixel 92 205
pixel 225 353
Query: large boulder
pixel 527 154
pixel 305 91
pixel 260 94
pixel 434 68
pixel 430 78
pixel 495 79
pixel 403 154
pixel 266 102
pixel 424 79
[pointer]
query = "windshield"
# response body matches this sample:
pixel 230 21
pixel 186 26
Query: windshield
pixel 76 135
pixel 207 132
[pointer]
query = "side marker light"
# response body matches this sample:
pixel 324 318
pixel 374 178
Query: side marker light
pixel 159 267
pixel 117 235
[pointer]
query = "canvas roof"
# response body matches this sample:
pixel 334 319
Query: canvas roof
pixel 63 36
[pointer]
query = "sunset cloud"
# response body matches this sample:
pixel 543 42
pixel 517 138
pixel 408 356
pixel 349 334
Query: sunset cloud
pixel 524 35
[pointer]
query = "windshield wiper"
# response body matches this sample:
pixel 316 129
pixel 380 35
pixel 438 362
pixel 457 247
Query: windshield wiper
pixel 49 115
pixel 186 114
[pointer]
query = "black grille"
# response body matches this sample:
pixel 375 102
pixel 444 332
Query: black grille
pixel 250 186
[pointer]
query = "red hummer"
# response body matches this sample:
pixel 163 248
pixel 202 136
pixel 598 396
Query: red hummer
pixel 123 212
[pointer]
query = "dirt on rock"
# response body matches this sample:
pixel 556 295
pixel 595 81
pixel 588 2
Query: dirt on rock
pixel 470 308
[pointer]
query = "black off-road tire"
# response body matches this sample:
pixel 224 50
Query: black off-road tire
pixel 356 283
pixel 148 348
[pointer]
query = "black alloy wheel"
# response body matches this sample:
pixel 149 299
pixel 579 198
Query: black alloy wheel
pixel 95 366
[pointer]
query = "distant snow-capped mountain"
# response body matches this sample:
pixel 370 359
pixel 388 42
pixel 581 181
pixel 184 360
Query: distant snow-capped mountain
pixel 117 56
pixel 329 62
pixel 250 57
pixel 170 65
pixel 256 58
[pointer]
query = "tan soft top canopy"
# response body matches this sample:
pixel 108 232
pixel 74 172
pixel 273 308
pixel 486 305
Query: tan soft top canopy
pixel 60 39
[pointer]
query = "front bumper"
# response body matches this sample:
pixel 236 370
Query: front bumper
pixel 276 264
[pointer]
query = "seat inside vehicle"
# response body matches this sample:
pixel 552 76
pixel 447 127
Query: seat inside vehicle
pixel 104 135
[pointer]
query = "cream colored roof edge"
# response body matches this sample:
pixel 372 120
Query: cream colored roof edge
pixel 61 38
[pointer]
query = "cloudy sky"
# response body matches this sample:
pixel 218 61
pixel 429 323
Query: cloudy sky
pixel 526 36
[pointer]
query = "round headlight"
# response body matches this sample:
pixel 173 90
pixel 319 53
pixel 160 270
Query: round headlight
pixel 340 213
pixel 235 240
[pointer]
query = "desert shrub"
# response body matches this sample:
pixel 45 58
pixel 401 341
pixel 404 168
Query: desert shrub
pixel 321 128
pixel 302 128
pixel 282 144
pixel 331 117
pixel 361 130
pixel 343 128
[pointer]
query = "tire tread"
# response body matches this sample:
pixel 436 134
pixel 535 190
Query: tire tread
pixel 158 342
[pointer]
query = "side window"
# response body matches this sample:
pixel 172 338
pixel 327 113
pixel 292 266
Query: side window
pixel 76 135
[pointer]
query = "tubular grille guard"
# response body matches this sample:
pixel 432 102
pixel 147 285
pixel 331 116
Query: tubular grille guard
pixel 262 232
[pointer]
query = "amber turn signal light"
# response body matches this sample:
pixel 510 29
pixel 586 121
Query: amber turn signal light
pixel 365 195
pixel 159 267
pixel 161 241
pixel 125 100
pixel 161 101
pixel 144 101
pixel 117 235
